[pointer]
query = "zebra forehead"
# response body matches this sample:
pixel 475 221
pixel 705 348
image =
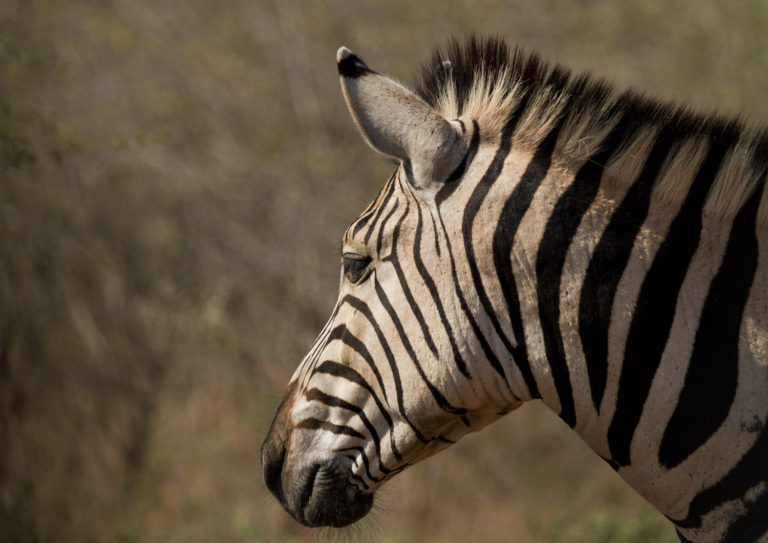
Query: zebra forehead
pixel 490 82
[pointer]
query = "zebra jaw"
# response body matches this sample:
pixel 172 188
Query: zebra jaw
pixel 399 125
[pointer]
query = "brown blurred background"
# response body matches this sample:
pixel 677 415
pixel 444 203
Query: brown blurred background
pixel 175 179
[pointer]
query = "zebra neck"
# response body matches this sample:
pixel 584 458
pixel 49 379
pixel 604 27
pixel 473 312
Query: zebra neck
pixel 640 309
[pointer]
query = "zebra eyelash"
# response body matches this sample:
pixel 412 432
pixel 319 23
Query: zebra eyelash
pixel 356 267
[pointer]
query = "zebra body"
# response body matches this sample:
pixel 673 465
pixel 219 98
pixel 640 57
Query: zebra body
pixel 543 238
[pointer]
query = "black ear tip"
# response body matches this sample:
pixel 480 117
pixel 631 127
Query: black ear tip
pixel 350 65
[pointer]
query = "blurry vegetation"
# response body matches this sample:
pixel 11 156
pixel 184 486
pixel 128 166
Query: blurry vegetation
pixel 174 181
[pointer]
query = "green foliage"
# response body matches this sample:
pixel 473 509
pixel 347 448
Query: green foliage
pixel 604 526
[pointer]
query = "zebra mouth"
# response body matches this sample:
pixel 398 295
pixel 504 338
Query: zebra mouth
pixel 328 499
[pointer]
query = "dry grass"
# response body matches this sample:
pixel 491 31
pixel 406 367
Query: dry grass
pixel 176 177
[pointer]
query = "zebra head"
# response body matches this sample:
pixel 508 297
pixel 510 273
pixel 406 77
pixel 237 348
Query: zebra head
pixel 401 370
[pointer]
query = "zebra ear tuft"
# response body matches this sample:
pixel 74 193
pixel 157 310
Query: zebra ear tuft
pixel 398 124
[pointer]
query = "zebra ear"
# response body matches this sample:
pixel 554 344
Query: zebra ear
pixel 397 123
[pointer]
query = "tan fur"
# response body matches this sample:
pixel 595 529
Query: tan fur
pixel 736 173
pixel 580 137
pixel 628 164
pixel 679 170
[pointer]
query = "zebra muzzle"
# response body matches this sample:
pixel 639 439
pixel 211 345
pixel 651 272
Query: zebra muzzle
pixel 318 494
pixel 314 489
pixel 328 499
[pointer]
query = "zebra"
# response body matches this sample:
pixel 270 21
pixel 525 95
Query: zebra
pixel 543 236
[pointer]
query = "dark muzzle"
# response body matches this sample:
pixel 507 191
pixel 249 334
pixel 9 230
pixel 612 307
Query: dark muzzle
pixel 315 489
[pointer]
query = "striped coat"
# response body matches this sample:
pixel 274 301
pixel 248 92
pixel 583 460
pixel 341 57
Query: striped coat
pixel 543 237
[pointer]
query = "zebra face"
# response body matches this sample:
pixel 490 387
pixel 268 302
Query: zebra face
pixel 384 385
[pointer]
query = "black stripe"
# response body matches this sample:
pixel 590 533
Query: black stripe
pixel 430 283
pixel 366 312
pixel 374 208
pixel 484 345
pixel 345 372
pixel 458 173
pixel 751 471
pixel 438 397
pixel 342 333
pixel 387 191
pixel 607 266
pixel 380 237
pixel 415 308
pixel 314 394
pixel 753 526
pixel 366 463
pixel 436 236
pixel 377 203
pixel 655 307
pixel 363 308
pixel 470 212
pixel 473 206
pixel 509 221
pixel 315 424
pixel 358 478
pixel 318 347
pixel 557 238
pixel 361 222
pixel 441 196
pixel 712 376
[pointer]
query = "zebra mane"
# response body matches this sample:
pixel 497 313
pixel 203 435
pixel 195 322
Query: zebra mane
pixel 488 81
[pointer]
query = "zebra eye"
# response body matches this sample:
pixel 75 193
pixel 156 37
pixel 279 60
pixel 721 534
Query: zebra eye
pixel 356 267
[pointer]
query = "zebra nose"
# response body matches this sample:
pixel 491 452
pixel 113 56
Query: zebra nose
pixel 315 493
pixel 272 460
pixel 273 450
